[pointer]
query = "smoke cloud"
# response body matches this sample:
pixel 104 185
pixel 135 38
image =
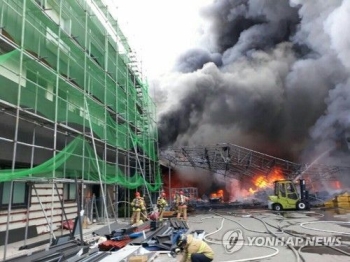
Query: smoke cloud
pixel 273 76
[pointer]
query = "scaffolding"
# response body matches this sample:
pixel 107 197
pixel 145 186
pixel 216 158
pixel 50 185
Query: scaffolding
pixel 73 107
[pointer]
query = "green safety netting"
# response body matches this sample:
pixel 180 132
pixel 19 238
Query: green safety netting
pixel 78 160
pixel 72 108
pixel 85 67
pixel 115 88
pixel 5 57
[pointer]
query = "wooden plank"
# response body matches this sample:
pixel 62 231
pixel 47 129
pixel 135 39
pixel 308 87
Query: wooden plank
pixel 33 208
pixel 46 191
pixel 32 215
pixel 44 199
pixel 35 214
pixel 37 222
pixel 48 186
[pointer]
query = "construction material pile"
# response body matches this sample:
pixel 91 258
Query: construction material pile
pixel 342 201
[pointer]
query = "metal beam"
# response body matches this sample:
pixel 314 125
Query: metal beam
pixel 233 159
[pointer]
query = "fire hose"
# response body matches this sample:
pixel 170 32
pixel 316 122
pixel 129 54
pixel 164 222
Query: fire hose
pixel 321 230
pixel 297 254
pixel 276 250
pixel 244 259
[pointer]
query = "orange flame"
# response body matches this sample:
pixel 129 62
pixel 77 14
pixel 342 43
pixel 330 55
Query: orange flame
pixel 251 191
pixel 336 184
pixel 264 181
pixel 218 194
pixel 260 181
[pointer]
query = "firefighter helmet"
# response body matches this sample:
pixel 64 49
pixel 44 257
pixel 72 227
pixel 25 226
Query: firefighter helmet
pixel 181 240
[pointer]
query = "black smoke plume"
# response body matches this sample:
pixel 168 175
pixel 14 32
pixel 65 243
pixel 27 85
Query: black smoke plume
pixel 273 76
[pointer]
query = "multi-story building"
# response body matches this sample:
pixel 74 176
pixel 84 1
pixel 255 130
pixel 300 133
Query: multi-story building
pixel 76 120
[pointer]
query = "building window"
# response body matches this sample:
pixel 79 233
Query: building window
pixel 19 195
pixel 69 192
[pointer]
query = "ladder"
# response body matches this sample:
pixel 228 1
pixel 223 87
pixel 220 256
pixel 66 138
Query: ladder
pixel 147 194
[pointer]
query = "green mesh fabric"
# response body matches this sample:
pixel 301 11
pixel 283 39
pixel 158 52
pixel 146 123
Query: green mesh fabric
pixel 66 67
pixel 69 162
pixel 9 55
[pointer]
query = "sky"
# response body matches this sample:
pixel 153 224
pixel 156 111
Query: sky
pixel 159 30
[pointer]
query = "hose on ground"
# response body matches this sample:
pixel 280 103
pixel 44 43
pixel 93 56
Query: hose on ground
pixel 325 230
pixel 244 259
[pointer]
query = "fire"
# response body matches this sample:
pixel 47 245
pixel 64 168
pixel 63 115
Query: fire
pixel 218 194
pixel 336 184
pixel 264 181
pixel 260 182
pixel 251 191
pixel 276 174
pixel 213 195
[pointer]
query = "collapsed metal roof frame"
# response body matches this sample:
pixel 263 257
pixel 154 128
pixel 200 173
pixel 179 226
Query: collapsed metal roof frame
pixel 236 161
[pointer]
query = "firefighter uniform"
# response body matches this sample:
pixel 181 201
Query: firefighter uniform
pixel 161 204
pixel 144 210
pixel 181 204
pixel 137 206
pixel 196 250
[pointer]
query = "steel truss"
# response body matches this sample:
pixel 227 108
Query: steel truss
pixel 239 162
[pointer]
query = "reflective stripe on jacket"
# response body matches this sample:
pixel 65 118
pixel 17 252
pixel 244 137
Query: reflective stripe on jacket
pixel 161 202
pixel 196 246
pixel 138 204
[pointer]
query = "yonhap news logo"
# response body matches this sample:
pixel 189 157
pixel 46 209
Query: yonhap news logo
pixel 233 241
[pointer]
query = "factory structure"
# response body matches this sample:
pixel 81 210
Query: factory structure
pixel 77 124
pixel 239 176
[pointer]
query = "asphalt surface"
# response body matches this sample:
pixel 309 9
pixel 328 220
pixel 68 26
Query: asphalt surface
pixel 301 234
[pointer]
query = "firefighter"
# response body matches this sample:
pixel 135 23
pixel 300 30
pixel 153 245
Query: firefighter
pixel 194 250
pixel 175 202
pixel 161 204
pixel 144 209
pixel 137 206
pixel 181 203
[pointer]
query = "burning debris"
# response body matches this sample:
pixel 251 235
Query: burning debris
pixel 230 174
pixel 217 188
pixel 217 197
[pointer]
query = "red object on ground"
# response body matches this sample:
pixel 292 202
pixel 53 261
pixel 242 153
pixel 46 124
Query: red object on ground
pixel 68 225
pixel 112 244
pixel 154 216
pixel 117 244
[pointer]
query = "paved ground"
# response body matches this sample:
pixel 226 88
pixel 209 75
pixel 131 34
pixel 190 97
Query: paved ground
pixel 259 224
pixel 240 227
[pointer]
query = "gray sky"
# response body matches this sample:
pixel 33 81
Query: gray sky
pixel 159 30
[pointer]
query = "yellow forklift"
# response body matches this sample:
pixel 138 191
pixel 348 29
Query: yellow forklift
pixel 286 196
